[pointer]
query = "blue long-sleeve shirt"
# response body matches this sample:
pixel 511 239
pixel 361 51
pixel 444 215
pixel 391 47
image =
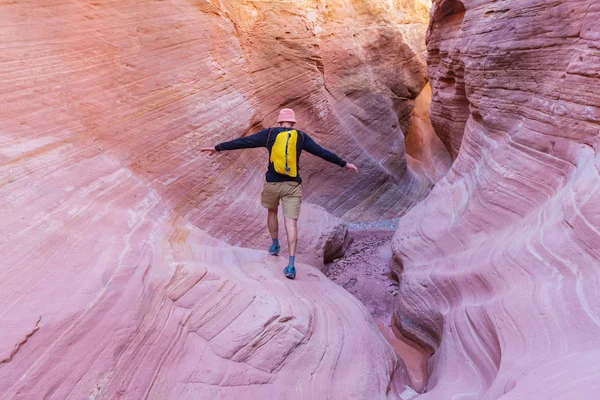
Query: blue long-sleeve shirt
pixel 266 138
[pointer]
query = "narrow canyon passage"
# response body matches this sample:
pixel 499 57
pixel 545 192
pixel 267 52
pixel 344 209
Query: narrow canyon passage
pixel 135 267
pixel 365 272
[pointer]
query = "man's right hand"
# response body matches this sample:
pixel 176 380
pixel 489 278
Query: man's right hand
pixel 209 150
pixel 351 168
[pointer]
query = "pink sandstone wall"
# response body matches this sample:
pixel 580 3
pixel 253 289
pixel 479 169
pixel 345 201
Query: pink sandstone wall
pixel 148 83
pixel 500 264
pixel 118 278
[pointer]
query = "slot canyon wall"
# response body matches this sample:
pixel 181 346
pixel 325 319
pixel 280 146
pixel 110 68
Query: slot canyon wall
pixel 499 266
pixel 150 94
pixel 121 273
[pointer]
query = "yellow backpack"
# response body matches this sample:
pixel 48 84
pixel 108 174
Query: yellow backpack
pixel 283 153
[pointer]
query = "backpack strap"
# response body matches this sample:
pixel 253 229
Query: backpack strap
pixel 297 157
pixel 267 144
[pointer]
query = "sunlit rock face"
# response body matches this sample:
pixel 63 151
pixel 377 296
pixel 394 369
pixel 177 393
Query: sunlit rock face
pixel 351 70
pixel 112 282
pixel 499 265
pixel 150 93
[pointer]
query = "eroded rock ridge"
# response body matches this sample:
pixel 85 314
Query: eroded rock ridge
pixel 500 263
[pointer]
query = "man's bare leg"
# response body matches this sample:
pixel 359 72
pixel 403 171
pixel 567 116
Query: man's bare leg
pixel 291 228
pixel 273 225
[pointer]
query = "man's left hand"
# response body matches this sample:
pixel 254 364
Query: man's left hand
pixel 351 168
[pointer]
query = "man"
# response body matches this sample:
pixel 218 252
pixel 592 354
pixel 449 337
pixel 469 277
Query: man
pixel 283 180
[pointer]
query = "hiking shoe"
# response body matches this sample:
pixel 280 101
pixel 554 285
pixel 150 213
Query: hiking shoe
pixel 289 272
pixel 274 250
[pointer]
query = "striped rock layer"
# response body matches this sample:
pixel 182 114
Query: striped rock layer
pixel 118 278
pixel 500 264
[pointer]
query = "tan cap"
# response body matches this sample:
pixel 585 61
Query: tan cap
pixel 286 115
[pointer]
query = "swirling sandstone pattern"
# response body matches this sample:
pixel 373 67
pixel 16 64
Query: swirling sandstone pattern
pixel 112 284
pixel 500 263
pixel 148 94
pixel 151 307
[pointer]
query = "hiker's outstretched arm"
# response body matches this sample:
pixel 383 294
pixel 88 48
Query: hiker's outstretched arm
pixel 313 148
pixel 259 139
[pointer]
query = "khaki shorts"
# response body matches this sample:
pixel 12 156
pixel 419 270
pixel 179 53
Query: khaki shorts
pixel 290 194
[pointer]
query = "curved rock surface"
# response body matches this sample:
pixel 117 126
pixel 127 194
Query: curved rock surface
pixel 499 265
pixel 112 282
pixel 351 70
pixel 168 78
pixel 148 306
